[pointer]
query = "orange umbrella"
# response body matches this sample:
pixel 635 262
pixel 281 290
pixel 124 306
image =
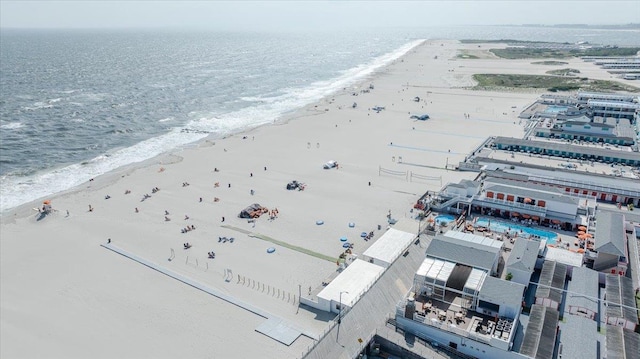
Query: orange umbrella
pixel 555 221
pixel 580 232
pixel 535 218
pixel 582 236
pixel 526 216
pixel 582 228
pixel 588 235
pixel 47 201
pixel 515 214
pixel 527 200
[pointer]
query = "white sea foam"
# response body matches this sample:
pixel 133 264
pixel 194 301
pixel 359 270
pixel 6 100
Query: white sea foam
pixel 11 126
pixel 166 119
pixel 19 190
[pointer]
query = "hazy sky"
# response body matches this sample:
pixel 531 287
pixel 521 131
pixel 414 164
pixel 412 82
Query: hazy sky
pixel 285 15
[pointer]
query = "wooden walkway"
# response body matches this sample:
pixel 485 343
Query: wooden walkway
pixel 370 313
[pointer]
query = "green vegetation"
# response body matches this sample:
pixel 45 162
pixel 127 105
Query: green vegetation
pixel 564 72
pixel 282 244
pixel 509 276
pixel 551 83
pixel 531 53
pixel 559 53
pixel 609 51
pixel 502 41
pixel 554 63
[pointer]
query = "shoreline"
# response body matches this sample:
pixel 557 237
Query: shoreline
pixel 77 290
pixel 24 209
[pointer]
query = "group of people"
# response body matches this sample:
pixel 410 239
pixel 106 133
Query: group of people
pixel 188 229
pixel 225 239
pixel 273 214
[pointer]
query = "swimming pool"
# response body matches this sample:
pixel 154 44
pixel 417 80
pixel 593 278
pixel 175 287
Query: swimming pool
pixel 555 109
pixel 445 218
pixel 515 228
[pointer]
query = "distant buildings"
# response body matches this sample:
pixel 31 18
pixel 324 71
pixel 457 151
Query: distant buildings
pixel 566 150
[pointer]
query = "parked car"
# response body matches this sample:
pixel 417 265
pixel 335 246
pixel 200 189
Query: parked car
pixel 330 165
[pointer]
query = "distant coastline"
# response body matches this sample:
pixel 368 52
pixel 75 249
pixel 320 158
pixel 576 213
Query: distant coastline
pixel 633 26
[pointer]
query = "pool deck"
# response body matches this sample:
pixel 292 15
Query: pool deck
pixel 564 239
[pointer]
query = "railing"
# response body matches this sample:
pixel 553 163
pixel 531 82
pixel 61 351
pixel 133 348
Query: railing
pixel 509 204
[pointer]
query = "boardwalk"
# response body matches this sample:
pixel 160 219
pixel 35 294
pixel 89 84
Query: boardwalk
pixel 371 312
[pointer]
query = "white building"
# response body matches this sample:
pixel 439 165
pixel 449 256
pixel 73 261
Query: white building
pixel 388 247
pixel 522 260
pixel 347 288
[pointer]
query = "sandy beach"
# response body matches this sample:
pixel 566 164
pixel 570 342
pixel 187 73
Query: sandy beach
pixel 64 295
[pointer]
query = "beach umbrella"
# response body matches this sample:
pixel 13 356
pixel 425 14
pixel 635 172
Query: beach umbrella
pixel 588 235
pixel 555 221
pixel 526 216
pixel 343 239
pixel 515 214
pixel 527 200
pixel 580 232
pixel 535 218
pixel 47 201
pixel 582 228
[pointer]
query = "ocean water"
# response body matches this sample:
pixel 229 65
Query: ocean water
pixel 77 104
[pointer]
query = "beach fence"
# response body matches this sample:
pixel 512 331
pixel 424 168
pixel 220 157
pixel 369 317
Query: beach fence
pixel 267 289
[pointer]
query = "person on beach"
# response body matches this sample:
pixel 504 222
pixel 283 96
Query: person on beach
pixel 90 208
pixel 166 213
pixel 137 210
pixel 200 199
pixel 67 213
pixel 222 218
